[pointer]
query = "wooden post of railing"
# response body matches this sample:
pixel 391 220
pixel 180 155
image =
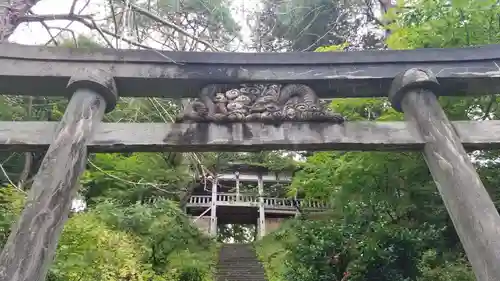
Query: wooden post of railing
pixel 31 245
pixel 237 175
pixel 202 214
pixel 262 215
pixel 471 209
pixel 213 212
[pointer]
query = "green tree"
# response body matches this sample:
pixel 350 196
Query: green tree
pixel 173 246
pixel 300 25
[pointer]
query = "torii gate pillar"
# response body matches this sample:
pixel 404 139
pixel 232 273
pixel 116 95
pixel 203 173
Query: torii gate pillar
pixel 469 205
pixel 32 243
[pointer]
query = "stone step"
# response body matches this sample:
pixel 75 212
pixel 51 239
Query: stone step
pixel 241 277
pixel 239 265
pixel 240 268
pixel 238 278
pixel 238 257
pixel 235 279
pixel 237 274
pixel 241 273
pixel 249 270
pixel 238 262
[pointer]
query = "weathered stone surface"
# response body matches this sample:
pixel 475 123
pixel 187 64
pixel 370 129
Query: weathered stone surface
pixel 44 71
pixel 32 243
pixel 97 80
pixel 412 79
pixel 126 137
pixel 271 103
pixel 471 209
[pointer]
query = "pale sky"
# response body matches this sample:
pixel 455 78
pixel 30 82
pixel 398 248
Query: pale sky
pixel 35 33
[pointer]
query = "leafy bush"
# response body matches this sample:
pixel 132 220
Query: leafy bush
pixel 271 250
pixel 11 204
pixel 436 268
pixel 304 251
pixel 90 250
pixel 173 246
pixel 114 242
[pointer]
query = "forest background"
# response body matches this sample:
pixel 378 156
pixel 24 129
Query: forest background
pixel 388 221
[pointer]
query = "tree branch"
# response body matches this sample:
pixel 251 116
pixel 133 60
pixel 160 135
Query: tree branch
pixel 10 11
pixel 169 24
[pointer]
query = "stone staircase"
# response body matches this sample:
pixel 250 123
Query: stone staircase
pixel 238 262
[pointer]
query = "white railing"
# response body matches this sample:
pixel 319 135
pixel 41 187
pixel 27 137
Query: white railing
pixel 286 203
pixel 232 197
pixel 200 200
pixel 252 200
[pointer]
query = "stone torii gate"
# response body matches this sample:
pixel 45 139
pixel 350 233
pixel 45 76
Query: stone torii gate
pixel 93 79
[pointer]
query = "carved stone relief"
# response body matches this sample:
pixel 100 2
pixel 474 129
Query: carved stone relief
pixel 260 103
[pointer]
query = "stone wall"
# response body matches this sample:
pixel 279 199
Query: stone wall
pixel 202 223
pixel 273 224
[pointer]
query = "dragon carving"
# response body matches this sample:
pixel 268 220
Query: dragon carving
pixel 259 103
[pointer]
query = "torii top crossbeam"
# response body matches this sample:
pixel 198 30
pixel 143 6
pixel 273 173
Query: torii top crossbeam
pixel 44 71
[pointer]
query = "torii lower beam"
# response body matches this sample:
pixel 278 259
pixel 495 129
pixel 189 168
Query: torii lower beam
pixel 153 137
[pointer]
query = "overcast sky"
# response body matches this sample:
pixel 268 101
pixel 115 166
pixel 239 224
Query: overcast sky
pixel 35 33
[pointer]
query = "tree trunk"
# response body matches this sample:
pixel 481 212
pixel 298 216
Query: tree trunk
pixel 10 11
